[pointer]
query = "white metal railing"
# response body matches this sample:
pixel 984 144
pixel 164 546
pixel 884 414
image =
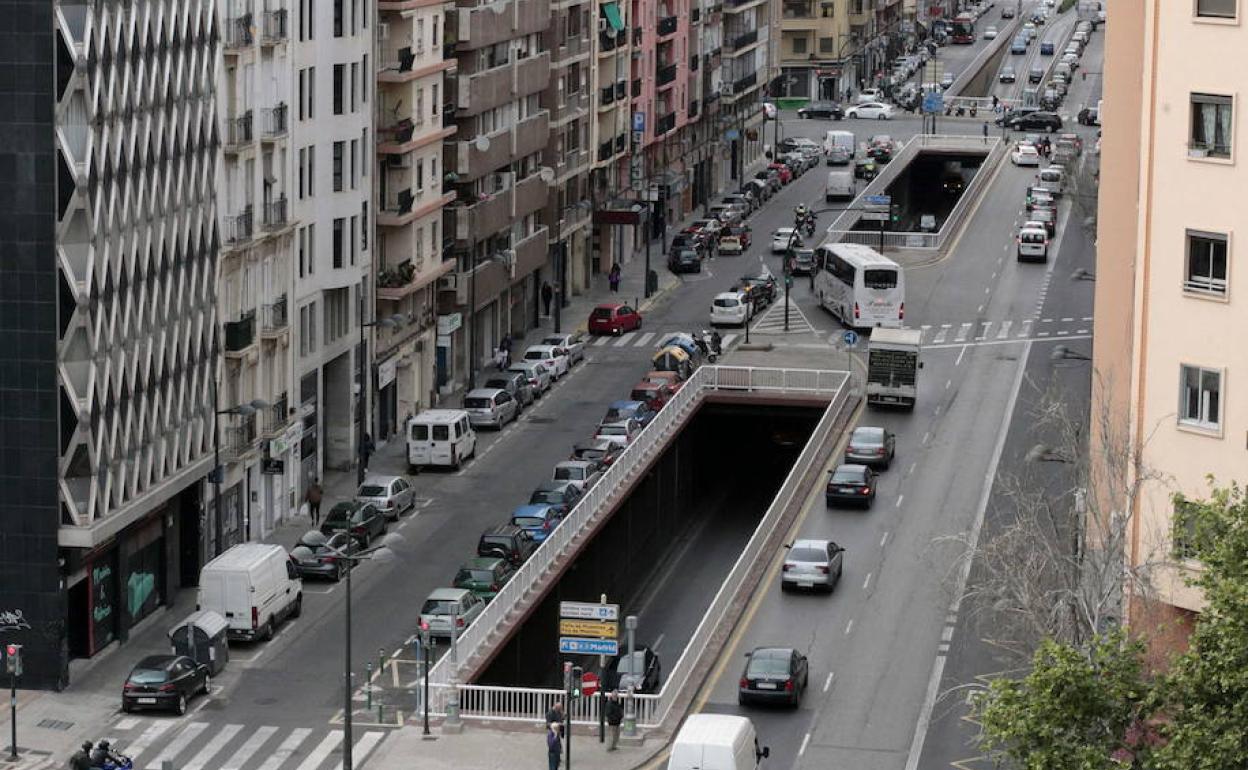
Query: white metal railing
pixel 479 701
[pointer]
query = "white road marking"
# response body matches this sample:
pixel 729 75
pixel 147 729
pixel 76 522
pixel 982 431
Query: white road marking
pixel 960 355
pixel 849 626
pixel 1004 332
pixel 129 723
pixel 927 436
pixel 657 642
pixel 727 340
pixel 979 310
pixel 900 499
pixel 827 683
pixel 805 742
pixel 963 330
pixel 287 747
pixel 1067 320
pixel 866 584
pixel 643 339
pixel 947 634
pixel 884 540
pixel 147 738
pixel 214 745
pixel 252 745
pixel 1026 330
pixel 942 334
pixel 948 384
pixel 322 750
pixel 180 742
pixel 983 335
pixel 601 341
pixel 363 747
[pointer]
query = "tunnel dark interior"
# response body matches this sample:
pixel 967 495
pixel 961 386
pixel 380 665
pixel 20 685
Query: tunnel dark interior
pixel 727 464
pixel 932 183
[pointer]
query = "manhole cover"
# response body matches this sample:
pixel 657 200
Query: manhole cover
pixel 55 724
pixel 266 701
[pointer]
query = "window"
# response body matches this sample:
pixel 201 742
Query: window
pixel 799 45
pixel 351 237
pixel 311 249
pixel 307 329
pixel 338 18
pixel 364 79
pixel 1217 9
pixel 1200 398
pixel 363 225
pixel 1183 529
pixel 337 313
pixel 339 148
pixel 339 224
pixel 339 75
pixel 355 79
pixel 827 45
pixel 420 175
pixel 311 111
pixel 1211 125
pixel 311 170
pixel 303 169
pixel 364 157
pixel 303 251
pixel 303 77
pixel 355 151
pixel 1206 263
pixel 434 28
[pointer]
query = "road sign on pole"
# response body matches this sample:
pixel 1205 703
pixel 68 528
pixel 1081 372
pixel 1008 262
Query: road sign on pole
pixel 589 611
pixel 598 628
pixel 850 338
pixel 572 645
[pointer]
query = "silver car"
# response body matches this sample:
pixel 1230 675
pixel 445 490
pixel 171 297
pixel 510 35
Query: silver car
pixel 619 433
pixel 812 564
pixel 538 375
pixel 870 446
pixel 450 610
pixel 583 473
pixel 392 495
pixel 490 407
pixel 573 346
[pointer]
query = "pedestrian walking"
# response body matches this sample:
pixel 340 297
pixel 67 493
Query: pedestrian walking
pixel 555 716
pixel 995 102
pixel 367 447
pixel 985 132
pixel 554 745
pixel 314 496
pixel 548 294
pixel 615 715
pixel 613 278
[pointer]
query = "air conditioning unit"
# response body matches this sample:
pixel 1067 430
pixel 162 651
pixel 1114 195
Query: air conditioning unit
pixel 383 31
pixel 602 25
pixel 401 161
pixel 726 89
pixel 449 282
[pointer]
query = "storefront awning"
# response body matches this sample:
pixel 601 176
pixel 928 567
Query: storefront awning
pixel 612 12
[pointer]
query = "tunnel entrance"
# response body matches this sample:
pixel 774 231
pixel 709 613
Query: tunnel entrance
pixel 665 549
pixel 931 184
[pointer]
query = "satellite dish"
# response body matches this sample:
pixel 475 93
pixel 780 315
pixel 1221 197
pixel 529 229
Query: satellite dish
pixel 547 174
pixel 482 143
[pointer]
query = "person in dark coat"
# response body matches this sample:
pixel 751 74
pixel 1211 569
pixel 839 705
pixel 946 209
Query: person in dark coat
pixel 81 760
pixel 615 715
pixel 554 745
pixel 314 496
pixel 548 294
pixel 613 277
pixel 555 716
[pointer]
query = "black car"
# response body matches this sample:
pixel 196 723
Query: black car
pixel 641 673
pixel 865 168
pixel 684 261
pixel 687 240
pixel 1005 117
pixel 762 285
pixel 164 682
pixel 598 450
pixel 1089 116
pixel 1035 121
pixel 803 262
pixel 821 110
pixel 318 555
pixel 773 675
pixel 563 494
pixel 363 520
pixel 851 483
pixel 507 541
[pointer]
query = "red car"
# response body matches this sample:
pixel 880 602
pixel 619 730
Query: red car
pixel 613 318
pixel 786 173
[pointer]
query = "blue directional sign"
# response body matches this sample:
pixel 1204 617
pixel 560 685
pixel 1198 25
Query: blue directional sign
pixel 877 200
pixel 933 102
pixel 850 338
pixel 575 645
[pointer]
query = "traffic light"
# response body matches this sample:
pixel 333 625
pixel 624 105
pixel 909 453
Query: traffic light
pixel 578 675
pixel 13 659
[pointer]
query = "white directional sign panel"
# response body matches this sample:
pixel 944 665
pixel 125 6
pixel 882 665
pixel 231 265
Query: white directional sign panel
pixel 589 611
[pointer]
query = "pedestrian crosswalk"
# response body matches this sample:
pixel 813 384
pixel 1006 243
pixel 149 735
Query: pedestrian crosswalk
pixel 649 339
pixel 201 745
pixel 968 332
pixel 778 319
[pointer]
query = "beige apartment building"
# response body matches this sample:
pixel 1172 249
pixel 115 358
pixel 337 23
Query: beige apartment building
pixel 1169 355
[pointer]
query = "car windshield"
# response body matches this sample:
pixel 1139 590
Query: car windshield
pixel 438 607
pixel 847 476
pixel 474 576
pixel 148 676
pixel 528 521
pixel 476 403
pixel 372 490
pixel 613 430
pixel 590 454
pixel 767 665
pixel 868 438
pixel 808 554
pixel 500 384
pixel 338 514
pixel 535 355
pixel 569 473
pixel 879 279
pixel 631 665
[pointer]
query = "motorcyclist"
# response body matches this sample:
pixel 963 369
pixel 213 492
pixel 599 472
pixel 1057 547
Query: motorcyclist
pixel 800 214
pixel 716 340
pixel 81 760
pixel 104 754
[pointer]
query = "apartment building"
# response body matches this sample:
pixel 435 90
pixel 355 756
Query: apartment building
pixel 748 65
pixel 415 119
pixel 259 477
pixel 876 38
pixel 333 81
pixel 499 241
pixel 618 171
pixel 109 342
pixel 1168 309
pixel 816 49
pixel 706 125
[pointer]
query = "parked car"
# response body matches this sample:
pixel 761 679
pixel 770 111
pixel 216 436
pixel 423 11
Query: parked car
pixel 389 494
pixel 163 682
pixel 552 357
pixel 812 564
pixel 773 675
pixel 362 520
pixel 771 178
pixel 597 450
pixel 317 555
pixel 783 171
pixel 563 494
pixel 537 374
pixel 743 200
pixel 684 261
pixel 621 433
pixel 573 346
pixel 871 446
pixel 255 587
pixel 851 483
pixel 490 407
pixel 450 608
pixel 655 395
pixel 641 671
pixel 613 318
pixel 538 520
pixel 871 111
pixel 626 409
pixel 867 95
pixel 514 383
pixel 742 233
pixel 507 541
pixel 783 238
pixel 484 576
pixel 730 308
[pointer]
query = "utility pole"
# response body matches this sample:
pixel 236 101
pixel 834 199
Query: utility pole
pixel 13 664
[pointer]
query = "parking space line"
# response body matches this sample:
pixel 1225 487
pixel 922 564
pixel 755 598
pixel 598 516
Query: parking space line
pixel 866 584
pixel 805 742
pixel 849 626
pixel 900 498
pixel 827 683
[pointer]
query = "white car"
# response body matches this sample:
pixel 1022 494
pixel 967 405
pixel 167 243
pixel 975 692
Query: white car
pixel 536 373
pixel 554 358
pixel 869 95
pixel 871 111
pixel 572 344
pixel 729 308
pixel 619 433
pixel 1025 155
pixel 780 240
pixel 990 33
pixel 581 474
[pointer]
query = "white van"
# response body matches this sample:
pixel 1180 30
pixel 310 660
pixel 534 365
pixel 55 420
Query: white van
pixel 838 146
pixel 1033 244
pixel 1054 179
pixel 254 586
pixel 716 742
pixel 439 437
pixel 840 186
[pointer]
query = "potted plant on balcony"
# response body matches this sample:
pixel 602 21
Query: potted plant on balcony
pixel 394 277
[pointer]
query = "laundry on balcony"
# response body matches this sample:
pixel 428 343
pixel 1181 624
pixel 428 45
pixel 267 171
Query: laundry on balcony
pixel 612 13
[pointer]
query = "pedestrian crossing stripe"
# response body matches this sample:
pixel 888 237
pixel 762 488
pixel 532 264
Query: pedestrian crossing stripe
pixel 287 747
pixel 772 321
pixel 253 744
pixel 654 339
pixel 983 331
pixel 201 746
pixel 178 744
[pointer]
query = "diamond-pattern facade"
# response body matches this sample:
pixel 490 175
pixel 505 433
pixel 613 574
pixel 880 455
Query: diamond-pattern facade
pixel 137 254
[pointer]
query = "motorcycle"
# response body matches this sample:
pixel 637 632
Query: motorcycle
pixel 118 762
pixel 709 344
pixel 808 227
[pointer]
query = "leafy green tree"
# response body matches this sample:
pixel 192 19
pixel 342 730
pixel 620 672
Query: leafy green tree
pixel 1205 699
pixel 1075 710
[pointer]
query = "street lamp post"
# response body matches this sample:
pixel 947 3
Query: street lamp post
pixel 559 260
pixel 360 412
pixel 242 410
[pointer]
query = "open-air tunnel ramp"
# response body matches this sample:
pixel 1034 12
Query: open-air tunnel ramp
pixel 477 644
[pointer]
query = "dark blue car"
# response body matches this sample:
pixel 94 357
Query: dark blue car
pixel 539 519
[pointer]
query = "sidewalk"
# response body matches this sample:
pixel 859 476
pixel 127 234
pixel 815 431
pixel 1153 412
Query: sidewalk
pixel 486 748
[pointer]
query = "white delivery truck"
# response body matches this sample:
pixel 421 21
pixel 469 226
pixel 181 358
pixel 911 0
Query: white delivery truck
pixel 254 586
pixel 893 367
pixel 716 742
pixel 840 186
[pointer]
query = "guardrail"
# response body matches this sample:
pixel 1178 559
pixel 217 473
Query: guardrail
pixel 530 704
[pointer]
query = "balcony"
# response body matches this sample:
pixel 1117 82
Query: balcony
pixel 505 145
pixel 621 89
pixel 240 438
pixel 606 96
pixel 798 9
pixel 574 105
pixel 665 124
pixel 621 143
pixel 667 75
pixel 609 41
pixel 399 282
pixel 505 268
pixel 276 417
pixel 570 163
pixel 738 42
pixel 744 84
pixel 667 26
pixel 275 216
pixel 496 212
pixel 241 334
pixel 490 23
pixel 480 91
pixel 605 150
pixel 531 252
pixel 571 48
pixel 273 27
pixel 238 133
pixel 636 87
pixel 237 229
pixel 236 34
pixel 273 121
pixel 274 319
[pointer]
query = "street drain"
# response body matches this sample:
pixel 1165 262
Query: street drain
pixel 55 724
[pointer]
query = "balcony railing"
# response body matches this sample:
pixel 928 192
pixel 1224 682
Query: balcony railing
pixel 667 74
pixel 609 41
pixel 400 202
pixel 799 9
pixel 621 89
pixel 274 120
pixel 239 438
pixel 273 29
pixel 604 150
pixel 745 83
pixel 240 334
pixel 236 33
pixel 742 40
pixel 276 417
pixel 275 214
pixel 606 95
pixel 274 318
pixel 238 227
pixel 238 131
pixel 621 142
pixel 665 124
pixel 667 26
